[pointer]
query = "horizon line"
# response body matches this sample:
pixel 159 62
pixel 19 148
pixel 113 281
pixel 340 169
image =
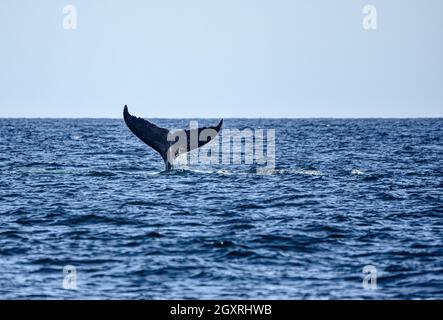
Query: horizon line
pixel 255 118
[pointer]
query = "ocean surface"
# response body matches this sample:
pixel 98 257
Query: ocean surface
pixel 344 194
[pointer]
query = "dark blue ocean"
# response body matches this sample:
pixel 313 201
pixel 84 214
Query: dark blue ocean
pixel 344 194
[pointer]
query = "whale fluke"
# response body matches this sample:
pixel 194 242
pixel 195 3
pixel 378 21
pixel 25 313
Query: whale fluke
pixel 157 137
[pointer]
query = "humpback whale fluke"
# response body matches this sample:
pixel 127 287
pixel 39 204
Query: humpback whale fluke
pixel 157 137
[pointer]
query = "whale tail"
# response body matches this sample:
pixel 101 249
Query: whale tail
pixel 157 137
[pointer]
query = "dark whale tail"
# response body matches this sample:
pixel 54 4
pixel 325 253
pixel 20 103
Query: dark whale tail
pixel 157 137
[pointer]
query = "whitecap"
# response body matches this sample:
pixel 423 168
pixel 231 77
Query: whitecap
pixel 76 137
pixel 311 172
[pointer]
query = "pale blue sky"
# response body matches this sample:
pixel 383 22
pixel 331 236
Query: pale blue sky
pixel 221 58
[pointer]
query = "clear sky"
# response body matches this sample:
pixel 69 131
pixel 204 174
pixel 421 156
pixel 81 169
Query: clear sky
pixel 221 58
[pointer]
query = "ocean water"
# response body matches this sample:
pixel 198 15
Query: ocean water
pixel 345 194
